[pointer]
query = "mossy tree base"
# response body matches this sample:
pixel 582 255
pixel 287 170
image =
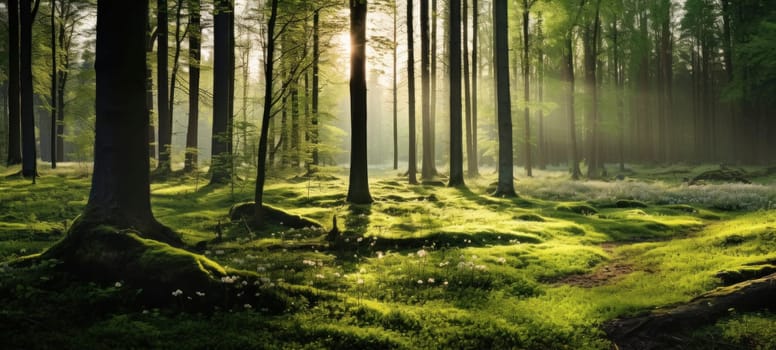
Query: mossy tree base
pixel 162 274
pixel 659 329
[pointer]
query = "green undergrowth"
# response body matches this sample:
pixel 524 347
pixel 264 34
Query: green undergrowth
pixel 422 267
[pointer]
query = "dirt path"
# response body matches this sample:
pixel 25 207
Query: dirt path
pixel 603 274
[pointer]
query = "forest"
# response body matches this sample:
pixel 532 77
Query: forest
pixel 388 174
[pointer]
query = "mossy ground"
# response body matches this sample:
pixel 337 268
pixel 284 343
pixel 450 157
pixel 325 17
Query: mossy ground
pixel 422 267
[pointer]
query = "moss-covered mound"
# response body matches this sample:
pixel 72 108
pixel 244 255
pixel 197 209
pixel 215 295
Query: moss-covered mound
pixel 271 215
pixel 163 275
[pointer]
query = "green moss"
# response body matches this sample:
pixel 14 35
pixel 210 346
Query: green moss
pixel 578 208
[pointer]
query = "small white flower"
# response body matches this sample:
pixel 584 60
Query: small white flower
pixel 117 285
pixel 502 260
pixel 320 276
pixel 430 280
pixel 422 253
pixel 248 306
pixel 200 294
pixel 177 292
pixel 420 281
pixel 359 239
pixel 360 281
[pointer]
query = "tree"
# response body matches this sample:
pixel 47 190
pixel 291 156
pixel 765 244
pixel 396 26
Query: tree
pixel 179 36
pixel 314 135
pixel 590 47
pixel 29 153
pixel 471 156
pixel 220 168
pixel 53 97
pixel 506 187
pixel 412 149
pixel 428 170
pixel 358 187
pixel 269 67
pixel 395 90
pixel 527 4
pixel 120 195
pixel 475 78
pixel 456 137
pixel 568 58
pixel 14 106
pixel 192 130
pixel 163 94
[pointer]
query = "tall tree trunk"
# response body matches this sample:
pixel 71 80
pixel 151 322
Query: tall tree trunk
pixel 295 146
pixel 433 77
pixel 29 154
pixel 64 44
pixel 542 145
pixel 591 86
pixel 569 65
pixel 316 88
pixel 150 38
pixel 358 188
pixel 527 88
pixel 620 87
pixel 192 130
pixel 162 97
pixel 120 182
pixel 261 171
pixel 428 170
pixel 220 164
pixel 53 97
pixel 471 158
pixel 394 91
pixel 506 186
pixel 667 79
pixel 14 89
pixel 456 137
pixel 475 77
pixel 179 36
pixel 412 167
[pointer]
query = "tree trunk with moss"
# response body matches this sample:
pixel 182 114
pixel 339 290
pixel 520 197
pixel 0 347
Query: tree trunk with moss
pixel 659 328
pixel 120 195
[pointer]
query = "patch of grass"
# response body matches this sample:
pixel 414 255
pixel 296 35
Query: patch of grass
pixel 422 267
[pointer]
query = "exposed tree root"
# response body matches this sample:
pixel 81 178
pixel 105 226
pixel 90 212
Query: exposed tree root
pixel 662 328
pixel 724 174
pixel 165 275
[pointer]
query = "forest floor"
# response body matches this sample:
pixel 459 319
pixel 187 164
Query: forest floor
pixel 423 267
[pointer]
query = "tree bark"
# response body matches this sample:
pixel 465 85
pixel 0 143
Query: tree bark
pixel 120 194
pixel 150 38
pixel 29 152
pixel 506 187
pixel 220 164
pixel 192 130
pixel 527 88
pixel 412 168
pixel 456 137
pixel 316 86
pixel 573 154
pixel 428 170
pixel 358 188
pixel 475 77
pixel 14 89
pixel 269 66
pixel 471 157
pixel 53 97
pixel 658 328
pixel 162 98
pixel 179 37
